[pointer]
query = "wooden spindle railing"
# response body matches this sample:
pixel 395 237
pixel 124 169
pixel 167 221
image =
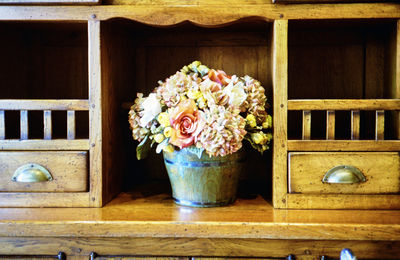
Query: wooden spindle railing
pixel 47 106
pixel 354 106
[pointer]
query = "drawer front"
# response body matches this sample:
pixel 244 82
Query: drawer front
pixel 381 171
pixel 68 170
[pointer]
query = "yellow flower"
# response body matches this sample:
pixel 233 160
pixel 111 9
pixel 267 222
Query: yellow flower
pixel 261 138
pixel 163 119
pixel 257 138
pixel 169 148
pixel 168 131
pixel 194 64
pixel 251 120
pixel 194 94
pixel 158 138
pixel 267 123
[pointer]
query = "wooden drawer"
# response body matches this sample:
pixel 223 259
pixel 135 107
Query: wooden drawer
pixel 68 170
pixel 381 171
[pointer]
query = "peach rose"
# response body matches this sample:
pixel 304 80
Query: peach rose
pixel 187 122
pixel 219 76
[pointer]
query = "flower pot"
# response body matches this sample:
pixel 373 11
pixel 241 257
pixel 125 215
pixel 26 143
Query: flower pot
pixel 203 182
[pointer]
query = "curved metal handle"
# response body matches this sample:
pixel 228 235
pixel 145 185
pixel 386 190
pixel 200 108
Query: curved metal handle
pixel 31 172
pixel 344 174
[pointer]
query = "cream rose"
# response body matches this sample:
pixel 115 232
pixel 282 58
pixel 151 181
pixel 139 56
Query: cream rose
pixel 152 108
pixel 235 92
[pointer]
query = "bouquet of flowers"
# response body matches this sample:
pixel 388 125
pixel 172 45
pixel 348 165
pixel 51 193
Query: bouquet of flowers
pixel 201 109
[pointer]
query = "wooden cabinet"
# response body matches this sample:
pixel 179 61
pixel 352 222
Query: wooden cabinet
pixel 331 73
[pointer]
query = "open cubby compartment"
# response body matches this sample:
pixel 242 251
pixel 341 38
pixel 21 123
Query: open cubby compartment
pixel 342 81
pixel 342 117
pixel 44 116
pixel 136 56
pixel 44 74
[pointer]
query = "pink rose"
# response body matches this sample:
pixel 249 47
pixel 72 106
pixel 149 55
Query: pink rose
pixel 187 122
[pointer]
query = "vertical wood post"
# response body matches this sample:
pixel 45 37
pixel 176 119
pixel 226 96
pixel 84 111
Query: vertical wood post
pixel 280 85
pixel 95 122
pixel 397 75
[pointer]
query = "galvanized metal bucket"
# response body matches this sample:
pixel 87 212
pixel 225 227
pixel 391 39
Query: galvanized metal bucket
pixel 206 181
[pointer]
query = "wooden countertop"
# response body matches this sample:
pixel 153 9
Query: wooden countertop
pixel 135 215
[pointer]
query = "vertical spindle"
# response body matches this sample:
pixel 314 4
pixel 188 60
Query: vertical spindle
pixel 2 125
pixel 24 124
pixel 330 125
pixel 71 125
pixel 47 125
pixel 380 125
pixel 306 125
pixel 355 124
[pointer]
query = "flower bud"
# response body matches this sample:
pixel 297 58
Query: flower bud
pixel 251 120
pixel 158 138
pixel 163 119
pixel 168 131
pixel 267 123
pixel 257 138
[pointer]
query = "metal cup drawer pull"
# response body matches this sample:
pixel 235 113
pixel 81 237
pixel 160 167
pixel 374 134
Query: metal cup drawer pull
pixel 344 174
pixel 31 172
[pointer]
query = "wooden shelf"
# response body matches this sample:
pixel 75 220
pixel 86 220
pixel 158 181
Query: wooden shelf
pixel 134 215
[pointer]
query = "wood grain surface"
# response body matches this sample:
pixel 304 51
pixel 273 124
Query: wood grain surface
pixel 280 84
pixel 203 14
pixel 135 215
pixel 381 170
pixel 136 248
pixel 69 171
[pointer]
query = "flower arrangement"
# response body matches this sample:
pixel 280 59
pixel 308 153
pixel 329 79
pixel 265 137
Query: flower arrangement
pixel 201 109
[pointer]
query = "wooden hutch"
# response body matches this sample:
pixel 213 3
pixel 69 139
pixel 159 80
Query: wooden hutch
pixel 332 76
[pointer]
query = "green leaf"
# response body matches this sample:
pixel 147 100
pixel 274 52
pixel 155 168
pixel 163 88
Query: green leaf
pixel 142 150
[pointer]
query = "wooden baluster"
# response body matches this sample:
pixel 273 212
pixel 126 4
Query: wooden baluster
pixel 71 125
pixel 2 125
pixel 380 125
pixel 24 125
pixel 47 125
pixel 306 125
pixel 330 125
pixel 355 124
